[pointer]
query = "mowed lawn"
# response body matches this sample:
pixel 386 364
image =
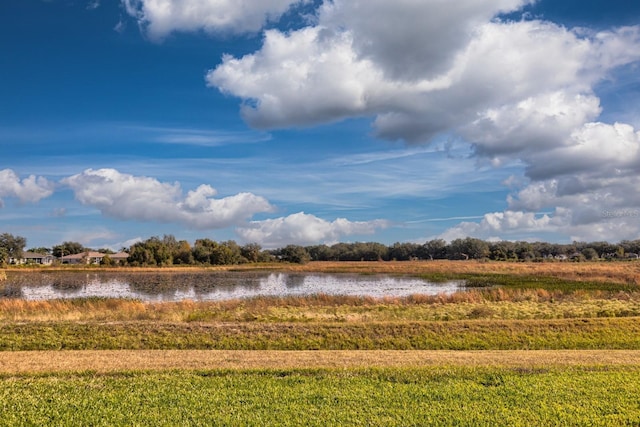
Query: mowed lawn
pixel 442 395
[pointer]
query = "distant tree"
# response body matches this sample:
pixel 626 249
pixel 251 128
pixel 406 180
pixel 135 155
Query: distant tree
pixel 251 252
pixel 106 251
pixel 503 251
pixel 41 250
pixel 182 254
pixel 468 248
pixel 226 253
pixel 404 251
pixel 107 261
pixel 435 249
pixel 590 254
pixel 525 251
pixel 13 245
pixel 295 254
pixel 4 257
pixel 202 250
pixel 68 248
pixel 320 253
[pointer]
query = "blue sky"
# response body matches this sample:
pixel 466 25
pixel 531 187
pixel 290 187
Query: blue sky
pixel 307 122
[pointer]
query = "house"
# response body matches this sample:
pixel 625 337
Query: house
pixel 88 257
pixel 91 257
pixel 33 258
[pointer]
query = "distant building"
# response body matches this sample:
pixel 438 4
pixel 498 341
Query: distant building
pixel 91 257
pixel 33 258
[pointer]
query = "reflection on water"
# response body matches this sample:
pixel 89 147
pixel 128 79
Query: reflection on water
pixel 205 286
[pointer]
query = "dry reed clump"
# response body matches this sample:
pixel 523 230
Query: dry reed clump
pixel 70 310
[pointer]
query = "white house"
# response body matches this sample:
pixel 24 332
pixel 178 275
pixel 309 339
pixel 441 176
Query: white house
pixel 33 258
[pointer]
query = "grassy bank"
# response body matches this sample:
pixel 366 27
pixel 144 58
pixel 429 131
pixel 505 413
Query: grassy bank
pixel 320 397
pixel 609 333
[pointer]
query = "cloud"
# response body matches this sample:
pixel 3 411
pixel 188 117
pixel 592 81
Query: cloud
pixel 129 197
pixel 304 229
pixel 159 18
pixel 591 182
pixel 28 190
pixel 489 81
pixel 519 92
pixel 411 40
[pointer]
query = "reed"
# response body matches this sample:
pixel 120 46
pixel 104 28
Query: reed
pixel 492 303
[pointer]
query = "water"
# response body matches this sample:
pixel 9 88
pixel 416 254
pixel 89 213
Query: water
pixel 211 286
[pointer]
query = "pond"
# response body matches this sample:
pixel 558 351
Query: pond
pixel 211 286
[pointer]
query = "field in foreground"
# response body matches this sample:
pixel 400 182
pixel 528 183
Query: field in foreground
pixel 327 397
pixel 160 364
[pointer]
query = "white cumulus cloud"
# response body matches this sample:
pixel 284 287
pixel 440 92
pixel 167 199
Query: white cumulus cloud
pixel 28 190
pixel 159 18
pixel 305 229
pixel 490 81
pixel 130 197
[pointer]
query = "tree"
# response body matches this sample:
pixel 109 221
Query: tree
pixel 107 261
pixel 251 252
pixel 68 248
pixel 503 251
pixel 4 258
pixel 13 246
pixel 403 251
pixel 41 250
pixel 590 254
pixel 295 254
pixel 468 248
pixel 435 249
pixel 182 254
pixel 226 253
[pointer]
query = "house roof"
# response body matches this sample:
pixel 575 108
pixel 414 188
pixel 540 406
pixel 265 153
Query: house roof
pixel 92 254
pixel 34 255
pixel 81 255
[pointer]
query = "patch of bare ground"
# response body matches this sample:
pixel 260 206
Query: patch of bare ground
pixel 32 362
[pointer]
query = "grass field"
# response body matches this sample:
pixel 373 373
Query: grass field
pixel 327 397
pixel 529 344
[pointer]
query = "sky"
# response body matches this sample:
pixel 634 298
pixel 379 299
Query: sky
pixel 317 121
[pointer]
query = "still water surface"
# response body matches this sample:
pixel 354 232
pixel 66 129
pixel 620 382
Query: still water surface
pixel 211 286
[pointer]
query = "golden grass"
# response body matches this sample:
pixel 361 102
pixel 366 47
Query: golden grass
pixel 493 303
pixel 21 362
pixel 474 304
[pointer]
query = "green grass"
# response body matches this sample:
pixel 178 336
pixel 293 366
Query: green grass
pixel 599 333
pixel 374 397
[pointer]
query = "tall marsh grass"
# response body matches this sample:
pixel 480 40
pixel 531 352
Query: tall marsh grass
pixel 493 303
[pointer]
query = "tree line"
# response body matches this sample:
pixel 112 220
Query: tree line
pixel 167 251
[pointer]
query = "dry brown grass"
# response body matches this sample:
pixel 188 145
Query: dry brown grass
pixel 487 303
pixel 124 360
